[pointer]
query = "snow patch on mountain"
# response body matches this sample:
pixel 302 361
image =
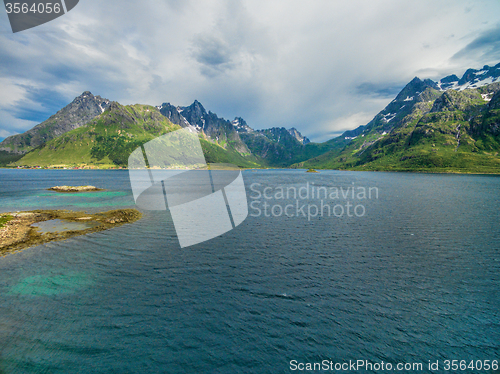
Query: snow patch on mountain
pixel 471 79
pixel 389 117
pixel 241 125
pixel 487 97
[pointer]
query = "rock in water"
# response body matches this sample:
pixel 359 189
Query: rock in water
pixel 74 189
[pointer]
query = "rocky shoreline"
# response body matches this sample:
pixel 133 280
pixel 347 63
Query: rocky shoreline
pixel 17 233
pixel 75 189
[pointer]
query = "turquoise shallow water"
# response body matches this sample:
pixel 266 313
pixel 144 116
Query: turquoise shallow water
pixel 414 279
pixel 60 225
pixel 66 282
pixel 25 189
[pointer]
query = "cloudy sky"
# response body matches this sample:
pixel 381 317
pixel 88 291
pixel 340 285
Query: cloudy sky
pixel 322 66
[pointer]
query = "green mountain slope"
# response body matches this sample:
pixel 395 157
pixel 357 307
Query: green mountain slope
pixel 279 148
pixel 451 131
pixel 8 157
pixel 109 132
pixel 109 139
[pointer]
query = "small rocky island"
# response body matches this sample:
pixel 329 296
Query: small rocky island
pixel 72 189
pixel 312 171
pixel 17 230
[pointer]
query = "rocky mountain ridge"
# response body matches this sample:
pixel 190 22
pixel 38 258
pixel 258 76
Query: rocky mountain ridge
pixel 88 110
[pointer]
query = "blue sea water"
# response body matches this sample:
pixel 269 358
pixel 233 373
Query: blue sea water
pixel 415 278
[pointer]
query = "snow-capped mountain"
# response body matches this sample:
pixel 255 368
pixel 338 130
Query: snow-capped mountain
pixel 471 79
pixel 449 125
pixel 237 133
pixel 417 93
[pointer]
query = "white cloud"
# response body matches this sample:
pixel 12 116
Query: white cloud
pixel 10 125
pixel 10 93
pixel 281 63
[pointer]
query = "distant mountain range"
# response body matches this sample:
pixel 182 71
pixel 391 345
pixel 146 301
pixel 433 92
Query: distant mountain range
pixel 449 125
pixel 92 131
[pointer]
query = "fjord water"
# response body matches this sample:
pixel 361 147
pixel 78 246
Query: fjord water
pixel 415 279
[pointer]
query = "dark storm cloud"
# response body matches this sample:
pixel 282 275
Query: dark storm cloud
pixel 487 46
pixel 382 90
pixel 211 51
pixel 213 54
pixel 50 101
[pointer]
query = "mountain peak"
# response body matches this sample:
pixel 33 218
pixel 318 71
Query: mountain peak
pixel 198 105
pixel 297 135
pixel 468 76
pixel 80 111
pixel 241 125
pixel 87 96
pixel 194 110
pixel 450 78
pixel 415 87
pixel 114 106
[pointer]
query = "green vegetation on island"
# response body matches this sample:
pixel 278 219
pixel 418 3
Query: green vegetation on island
pixel 4 219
